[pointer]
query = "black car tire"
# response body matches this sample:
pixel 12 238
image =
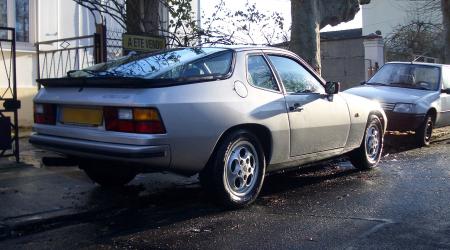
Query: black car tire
pixel 238 163
pixel 107 174
pixel 362 157
pixel 424 132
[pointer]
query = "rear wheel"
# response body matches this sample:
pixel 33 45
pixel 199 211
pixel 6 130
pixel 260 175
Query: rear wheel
pixel 424 132
pixel 369 153
pixel 236 173
pixel 107 174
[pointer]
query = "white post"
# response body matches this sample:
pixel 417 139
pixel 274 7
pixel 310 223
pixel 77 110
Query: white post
pixel 373 52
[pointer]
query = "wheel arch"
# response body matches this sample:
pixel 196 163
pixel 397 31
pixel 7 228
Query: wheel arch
pixel 433 112
pixel 260 131
pixel 380 116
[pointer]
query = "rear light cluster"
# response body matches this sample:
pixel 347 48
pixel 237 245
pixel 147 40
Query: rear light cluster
pixel 133 120
pixel 130 120
pixel 45 113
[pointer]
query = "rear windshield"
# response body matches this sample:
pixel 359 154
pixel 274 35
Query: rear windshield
pixel 413 76
pixel 169 64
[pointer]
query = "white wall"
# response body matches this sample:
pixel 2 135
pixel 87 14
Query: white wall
pixel 385 15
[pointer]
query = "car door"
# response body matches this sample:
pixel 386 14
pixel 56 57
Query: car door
pixel 445 98
pixel 318 122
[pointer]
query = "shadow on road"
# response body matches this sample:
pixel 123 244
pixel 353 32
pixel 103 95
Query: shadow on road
pixel 396 142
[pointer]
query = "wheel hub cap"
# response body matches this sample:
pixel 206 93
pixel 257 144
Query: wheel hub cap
pixel 241 169
pixel 373 139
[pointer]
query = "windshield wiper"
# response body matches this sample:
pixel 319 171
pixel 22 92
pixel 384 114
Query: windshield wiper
pixel 94 73
pixel 408 85
pixel 304 91
pixel 377 83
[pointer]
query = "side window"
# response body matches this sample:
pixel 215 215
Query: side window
pixel 259 73
pixel 296 79
pixel 446 77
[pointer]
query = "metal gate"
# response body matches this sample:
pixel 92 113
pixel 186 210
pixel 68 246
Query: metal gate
pixel 9 127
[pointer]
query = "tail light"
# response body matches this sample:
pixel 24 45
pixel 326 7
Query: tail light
pixel 133 120
pixel 45 113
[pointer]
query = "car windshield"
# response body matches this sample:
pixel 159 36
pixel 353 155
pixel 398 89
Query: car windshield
pixel 413 76
pixel 168 64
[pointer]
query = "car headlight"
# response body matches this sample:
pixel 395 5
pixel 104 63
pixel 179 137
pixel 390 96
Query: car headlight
pixel 404 108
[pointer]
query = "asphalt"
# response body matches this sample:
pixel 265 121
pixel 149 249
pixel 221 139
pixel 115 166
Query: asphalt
pixel 403 203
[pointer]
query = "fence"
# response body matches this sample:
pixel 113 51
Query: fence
pixel 57 57
pixel 9 127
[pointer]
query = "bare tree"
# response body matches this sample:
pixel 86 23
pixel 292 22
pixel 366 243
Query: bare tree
pixel 223 27
pixel 415 39
pixel 428 32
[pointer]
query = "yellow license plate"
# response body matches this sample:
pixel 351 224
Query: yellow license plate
pixel 82 116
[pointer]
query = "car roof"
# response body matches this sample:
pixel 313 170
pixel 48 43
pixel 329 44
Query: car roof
pixel 248 47
pixel 419 63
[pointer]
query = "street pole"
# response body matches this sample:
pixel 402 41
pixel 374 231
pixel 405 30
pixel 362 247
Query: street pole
pixel 199 22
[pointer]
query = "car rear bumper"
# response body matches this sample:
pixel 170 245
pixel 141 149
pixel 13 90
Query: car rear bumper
pixel 403 122
pixel 157 156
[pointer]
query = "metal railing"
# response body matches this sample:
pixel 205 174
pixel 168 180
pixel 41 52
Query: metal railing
pixel 9 130
pixel 57 57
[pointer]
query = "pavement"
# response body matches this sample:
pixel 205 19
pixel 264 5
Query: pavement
pixel 403 203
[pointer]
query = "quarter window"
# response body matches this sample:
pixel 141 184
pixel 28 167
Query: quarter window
pixel 295 77
pixel 259 73
pixel 446 77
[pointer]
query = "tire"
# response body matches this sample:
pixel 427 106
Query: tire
pixel 107 174
pixel 424 132
pixel 236 172
pixel 368 154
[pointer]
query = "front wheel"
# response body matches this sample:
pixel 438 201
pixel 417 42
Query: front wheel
pixel 236 173
pixel 423 133
pixel 369 153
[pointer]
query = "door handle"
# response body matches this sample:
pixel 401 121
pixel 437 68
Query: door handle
pixel 296 108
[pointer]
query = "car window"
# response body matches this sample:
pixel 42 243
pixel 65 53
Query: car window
pixel 259 73
pixel 166 64
pixel 295 77
pixel 214 65
pixel 446 77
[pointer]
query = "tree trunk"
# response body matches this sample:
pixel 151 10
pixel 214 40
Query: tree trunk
pixel 305 31
pixel 133 17
pixel 309 16
pixel 445 7
pixel 143 17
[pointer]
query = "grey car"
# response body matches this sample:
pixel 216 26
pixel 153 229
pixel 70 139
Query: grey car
pixel 230 114
pixel 415 96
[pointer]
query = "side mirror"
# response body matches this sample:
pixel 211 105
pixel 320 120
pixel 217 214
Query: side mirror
pixel 446 91
pixel 363 83
pixel 332 88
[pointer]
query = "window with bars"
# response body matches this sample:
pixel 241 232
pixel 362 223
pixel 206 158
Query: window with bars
pixel 16 14
pixel 3 17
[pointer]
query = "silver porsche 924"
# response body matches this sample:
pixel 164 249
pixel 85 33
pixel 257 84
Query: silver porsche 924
pixel 230 114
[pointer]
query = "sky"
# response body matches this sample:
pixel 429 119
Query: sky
pixel 281 6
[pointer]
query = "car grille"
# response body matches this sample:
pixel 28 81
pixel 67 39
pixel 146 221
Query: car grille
pixel 388 106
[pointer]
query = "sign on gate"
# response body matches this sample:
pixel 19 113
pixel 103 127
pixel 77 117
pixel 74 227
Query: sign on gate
pixel 142 43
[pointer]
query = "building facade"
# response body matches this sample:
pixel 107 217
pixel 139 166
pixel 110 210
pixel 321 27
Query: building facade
pixel 34 21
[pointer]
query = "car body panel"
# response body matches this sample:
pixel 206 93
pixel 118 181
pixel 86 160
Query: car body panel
pixel 196 116
pixel 423 100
